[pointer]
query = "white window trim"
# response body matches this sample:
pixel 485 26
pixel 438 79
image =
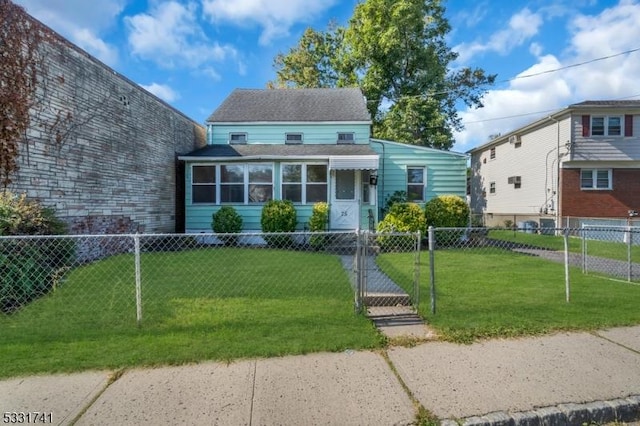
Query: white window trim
pixel 245 182
pixel 303 177
pixel 606 125
pixel 286 138
pixel 346 141
pixel 495 189
pixel 231 141
pixel 214 184
pixel 424 182
pixel 594 180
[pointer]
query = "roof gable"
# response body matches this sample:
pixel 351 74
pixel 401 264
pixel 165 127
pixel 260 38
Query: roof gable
pixel 292 105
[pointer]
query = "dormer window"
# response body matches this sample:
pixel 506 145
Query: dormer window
pixel 346 137
pixel 237 138
pixel 293 138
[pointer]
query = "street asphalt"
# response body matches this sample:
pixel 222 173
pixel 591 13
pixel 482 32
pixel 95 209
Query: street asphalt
pixel 558 379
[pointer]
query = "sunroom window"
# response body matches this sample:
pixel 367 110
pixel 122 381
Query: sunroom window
pixel 304 183
pixel 203 184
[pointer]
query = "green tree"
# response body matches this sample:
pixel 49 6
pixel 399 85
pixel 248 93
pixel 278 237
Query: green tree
pixel 396 52
pixel 315 62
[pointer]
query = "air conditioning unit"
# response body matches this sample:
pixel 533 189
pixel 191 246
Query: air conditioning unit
pixel 511 180
pixel 514 139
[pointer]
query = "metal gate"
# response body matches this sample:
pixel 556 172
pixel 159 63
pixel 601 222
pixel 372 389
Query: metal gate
pixel 386 268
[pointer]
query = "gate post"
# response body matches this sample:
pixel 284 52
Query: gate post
pixel 432 243
pixel 358 272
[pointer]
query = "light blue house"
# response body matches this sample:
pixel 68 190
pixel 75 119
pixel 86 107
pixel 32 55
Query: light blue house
pixel 307 146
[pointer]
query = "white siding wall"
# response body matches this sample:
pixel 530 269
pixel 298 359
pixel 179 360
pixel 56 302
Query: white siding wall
pixel 535 161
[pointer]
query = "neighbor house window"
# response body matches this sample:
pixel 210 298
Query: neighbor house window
pixel 203 184
pixel 237 137
pixel 595 179
pixel 492 153
pixel 415 183
pixel 492 187
pixel 606 125
pixel 346 137
pixel 293 138
pixel 304 183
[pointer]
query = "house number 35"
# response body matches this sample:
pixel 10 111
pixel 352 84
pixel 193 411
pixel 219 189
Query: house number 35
pixel 344 213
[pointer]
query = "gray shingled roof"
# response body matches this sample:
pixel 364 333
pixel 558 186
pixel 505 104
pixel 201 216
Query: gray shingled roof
pixel 606 103
pixel 292 105
pixel 271 151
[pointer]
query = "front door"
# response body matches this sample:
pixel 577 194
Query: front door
pixel 345 205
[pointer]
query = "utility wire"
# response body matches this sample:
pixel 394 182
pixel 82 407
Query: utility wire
pixel 579 64
pixel 519 77
pixel 535 112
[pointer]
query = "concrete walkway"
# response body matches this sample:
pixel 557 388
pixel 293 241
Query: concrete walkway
pixel 567 378
pixel 616 268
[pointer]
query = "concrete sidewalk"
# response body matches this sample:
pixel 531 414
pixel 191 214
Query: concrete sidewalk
pixel 567 378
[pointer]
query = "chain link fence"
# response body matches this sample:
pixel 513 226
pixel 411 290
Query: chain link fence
pixel 482 253
pixel 113 281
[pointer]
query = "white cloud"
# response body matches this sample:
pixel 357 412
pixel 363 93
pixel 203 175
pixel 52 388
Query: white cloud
pixel 612 31
pixel 80 21
pixel 162 91
pixel 522 27
pixel 274 16
pixel 171 36
pixel 85 39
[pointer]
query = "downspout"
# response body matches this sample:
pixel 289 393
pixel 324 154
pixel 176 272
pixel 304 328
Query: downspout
pixel 557 194
pixel 381 192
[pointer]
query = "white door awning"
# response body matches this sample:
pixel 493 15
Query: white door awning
pixel 353 162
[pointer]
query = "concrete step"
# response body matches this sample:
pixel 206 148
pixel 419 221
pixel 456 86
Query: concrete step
pixel 386 299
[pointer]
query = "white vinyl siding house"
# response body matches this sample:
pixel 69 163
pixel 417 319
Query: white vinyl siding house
pixel 582 161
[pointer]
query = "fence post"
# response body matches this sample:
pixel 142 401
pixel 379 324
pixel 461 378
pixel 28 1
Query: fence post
pixel 356 265
pixel 416 282
pixel 584 249
pixel 629 243
pixel 566 264
pixel 432 241
pixel 136 244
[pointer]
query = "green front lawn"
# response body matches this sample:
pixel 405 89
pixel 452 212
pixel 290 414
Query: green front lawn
pixel 483 293
pixel 209 304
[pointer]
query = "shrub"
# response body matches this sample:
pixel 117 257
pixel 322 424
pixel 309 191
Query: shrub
pixel 227 221
pixel 29 268
pixel 447 211
pixel 318 223
pixel 278 216
pixel 21 216
pixel 402 218
pixel 396 197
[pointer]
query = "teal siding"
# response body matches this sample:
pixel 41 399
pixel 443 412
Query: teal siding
pixel 446 171
pixel 275 133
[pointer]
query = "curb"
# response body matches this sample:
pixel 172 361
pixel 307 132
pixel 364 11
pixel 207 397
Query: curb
pixel 624 410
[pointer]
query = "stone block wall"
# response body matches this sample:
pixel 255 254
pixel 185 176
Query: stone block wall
pixel 102 150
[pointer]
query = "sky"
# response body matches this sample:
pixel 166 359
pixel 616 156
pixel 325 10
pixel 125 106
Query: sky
pixel 547 54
